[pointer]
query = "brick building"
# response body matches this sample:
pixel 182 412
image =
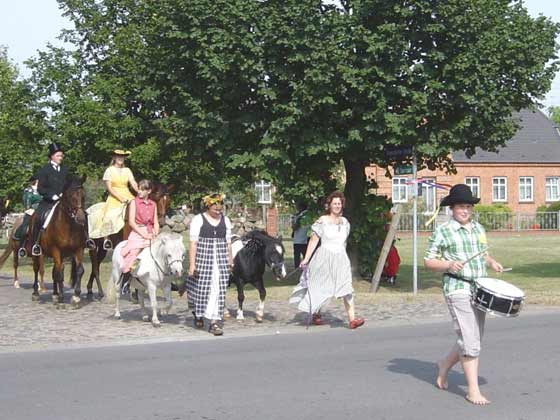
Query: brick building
pixel 524 174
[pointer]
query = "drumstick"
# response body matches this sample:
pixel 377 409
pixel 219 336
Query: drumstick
pixel 475 255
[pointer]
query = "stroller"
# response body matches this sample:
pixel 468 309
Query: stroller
pixel 391 267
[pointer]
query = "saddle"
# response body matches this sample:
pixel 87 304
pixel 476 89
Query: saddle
pixel 40 220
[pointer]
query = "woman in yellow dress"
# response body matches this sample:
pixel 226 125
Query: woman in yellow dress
pixel 105 219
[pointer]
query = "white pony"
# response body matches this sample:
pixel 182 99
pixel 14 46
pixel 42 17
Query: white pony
pixel 162 259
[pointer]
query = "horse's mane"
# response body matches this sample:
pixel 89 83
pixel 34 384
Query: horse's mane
pixel 73 182
pixel 259 238
pixel 261 235
pixel 168 236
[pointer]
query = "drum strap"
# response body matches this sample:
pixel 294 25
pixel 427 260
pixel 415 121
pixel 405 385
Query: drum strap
pixel 455 276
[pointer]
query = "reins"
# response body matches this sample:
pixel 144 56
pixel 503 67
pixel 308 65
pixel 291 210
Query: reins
pixel 156 262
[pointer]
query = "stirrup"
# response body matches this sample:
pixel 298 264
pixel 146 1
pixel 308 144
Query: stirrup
pixel 22 252
pixel 107 244
pixel 36 251
pixel 90 244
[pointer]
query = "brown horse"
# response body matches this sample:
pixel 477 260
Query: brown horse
pixel 12 248
pixel 160 194
pixel 64 237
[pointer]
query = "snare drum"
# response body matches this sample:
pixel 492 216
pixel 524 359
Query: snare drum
pixel 498 297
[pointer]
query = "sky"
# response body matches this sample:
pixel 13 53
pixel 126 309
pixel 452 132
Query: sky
pixel 29 25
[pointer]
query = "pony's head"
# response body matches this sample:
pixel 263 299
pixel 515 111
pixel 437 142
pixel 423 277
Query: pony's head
pixel 173 252
pixel 273 252
pixel 160 195
pixel 74 199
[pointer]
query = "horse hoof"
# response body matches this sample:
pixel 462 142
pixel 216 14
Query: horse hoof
pixel 117 316
pixel 16 284
pixel 75 302
pixel 259 319
pixel 89 296
pixel 60 306
pixel 226 314
pixel 156 324
pixel 145 318
pixel 100 295
pixel 35 297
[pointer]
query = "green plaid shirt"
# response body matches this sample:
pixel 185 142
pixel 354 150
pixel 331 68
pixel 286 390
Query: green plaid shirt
pixel 453 242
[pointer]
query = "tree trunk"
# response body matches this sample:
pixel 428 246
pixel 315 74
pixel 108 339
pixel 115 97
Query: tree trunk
pixel 354 191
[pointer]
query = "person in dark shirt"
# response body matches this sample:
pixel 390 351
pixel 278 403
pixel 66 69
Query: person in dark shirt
pixel 51 180
pixel 31 199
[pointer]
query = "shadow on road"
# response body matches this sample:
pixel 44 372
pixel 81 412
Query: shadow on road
pixel 427 372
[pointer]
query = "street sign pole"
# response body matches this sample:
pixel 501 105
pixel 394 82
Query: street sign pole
pixel 414 224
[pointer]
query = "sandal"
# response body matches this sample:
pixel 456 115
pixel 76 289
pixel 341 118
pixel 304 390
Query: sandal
pixel 355 323
pixel 215 329
pixel 317 319
pixel 198 322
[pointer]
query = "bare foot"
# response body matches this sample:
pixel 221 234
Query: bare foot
pixel 441 380
pixel 477 399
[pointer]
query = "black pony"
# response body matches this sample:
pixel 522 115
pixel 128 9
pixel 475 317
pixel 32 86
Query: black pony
pixel 251 254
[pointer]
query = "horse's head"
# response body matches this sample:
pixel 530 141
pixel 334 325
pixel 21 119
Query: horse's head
pixel 173 252
pixel 273 252
pixel 160 195
pixel 74 199
pixel 274 256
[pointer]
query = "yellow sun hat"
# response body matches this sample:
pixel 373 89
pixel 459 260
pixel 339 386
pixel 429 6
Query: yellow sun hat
pixel 120 152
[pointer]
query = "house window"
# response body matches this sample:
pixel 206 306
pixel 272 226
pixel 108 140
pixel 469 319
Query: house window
pixel 525 188
pixel 264 192
pixel 499 188
pixel 400 190
pixel 552 187
pixel 474 184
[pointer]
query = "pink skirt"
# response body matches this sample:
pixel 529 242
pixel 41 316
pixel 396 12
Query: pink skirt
pixel 134 245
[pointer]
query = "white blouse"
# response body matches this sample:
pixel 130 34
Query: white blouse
pixel 196 224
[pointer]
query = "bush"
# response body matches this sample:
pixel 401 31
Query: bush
pixel 494 217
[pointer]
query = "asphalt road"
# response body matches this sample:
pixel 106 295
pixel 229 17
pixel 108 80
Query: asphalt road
pixel 371 373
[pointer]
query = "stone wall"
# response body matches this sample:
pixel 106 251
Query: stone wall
pixel 180 220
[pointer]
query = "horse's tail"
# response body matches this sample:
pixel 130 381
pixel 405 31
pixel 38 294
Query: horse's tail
pixel 6 253
pixel 111 296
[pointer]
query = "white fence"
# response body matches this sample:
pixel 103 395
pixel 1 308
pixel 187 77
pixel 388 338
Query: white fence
pixel 491 221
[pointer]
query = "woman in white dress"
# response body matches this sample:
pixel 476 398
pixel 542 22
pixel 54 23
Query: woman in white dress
pixel 328 273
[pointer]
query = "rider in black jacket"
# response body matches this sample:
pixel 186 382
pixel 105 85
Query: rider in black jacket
pixel 52 178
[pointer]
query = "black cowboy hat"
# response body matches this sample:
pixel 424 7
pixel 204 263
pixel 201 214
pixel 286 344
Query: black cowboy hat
pixel 53 148
pixel 459 194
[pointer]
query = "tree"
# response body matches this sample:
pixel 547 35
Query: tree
pixel 286 90
pixel 554 114
pixel 21 131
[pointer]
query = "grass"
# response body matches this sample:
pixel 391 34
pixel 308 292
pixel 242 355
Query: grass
pixel 534 258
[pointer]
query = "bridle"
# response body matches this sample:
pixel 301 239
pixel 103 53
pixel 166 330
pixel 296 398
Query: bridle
pixel 167 262
pixel 72 211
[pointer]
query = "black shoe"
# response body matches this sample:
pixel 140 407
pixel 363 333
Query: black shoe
pixel 198 322
pixel 22 252
pixel 215 329
pixel 36 250
pixel 107 244
pixel 125 283
pixel 90 244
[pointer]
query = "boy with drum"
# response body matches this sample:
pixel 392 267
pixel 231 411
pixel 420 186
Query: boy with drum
pixel 450 251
